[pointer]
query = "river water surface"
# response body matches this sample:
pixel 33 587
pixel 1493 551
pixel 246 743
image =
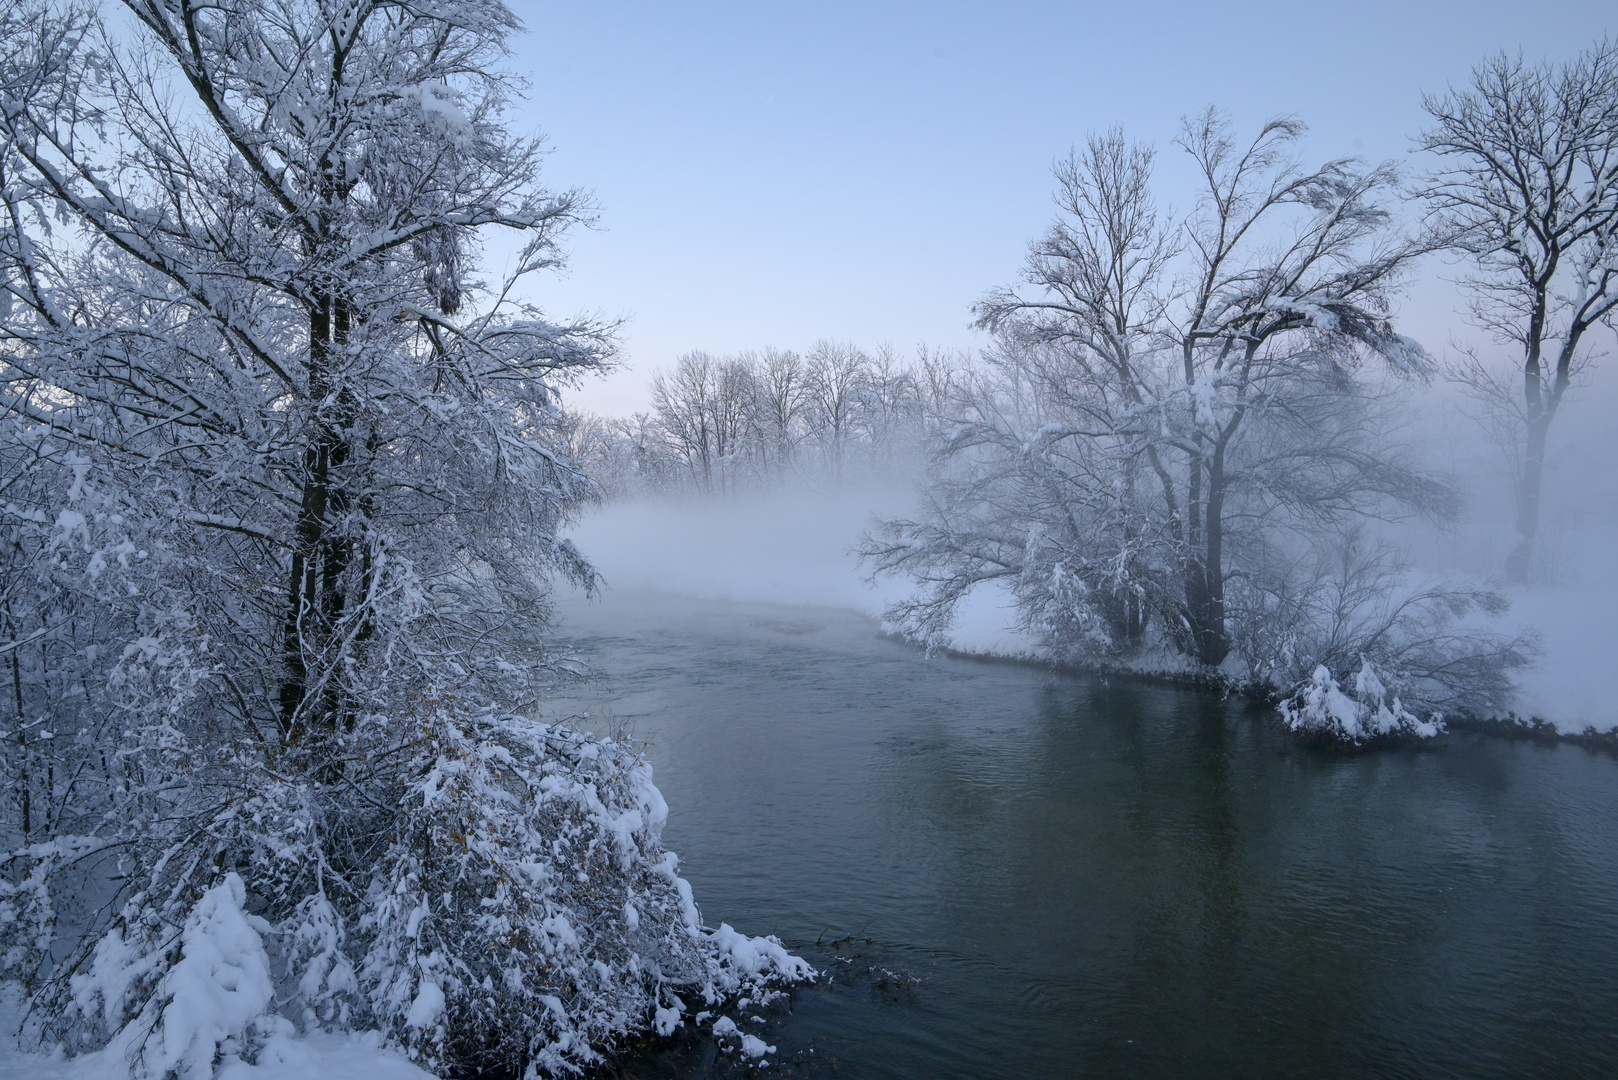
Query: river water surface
pixel 1012 873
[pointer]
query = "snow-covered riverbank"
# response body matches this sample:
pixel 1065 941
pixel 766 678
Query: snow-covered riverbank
pixel 797 549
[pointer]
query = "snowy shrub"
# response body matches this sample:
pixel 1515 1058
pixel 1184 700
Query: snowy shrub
pixel 525 909
pixel 1354 607
pixel 217 989
pixel 1321 707
pixel 496 898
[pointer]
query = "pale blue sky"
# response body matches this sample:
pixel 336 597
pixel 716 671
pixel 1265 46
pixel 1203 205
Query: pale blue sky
pixel 773 173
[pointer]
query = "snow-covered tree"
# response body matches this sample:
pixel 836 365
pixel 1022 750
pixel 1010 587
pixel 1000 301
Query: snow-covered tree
pixel 266 318
pixel 284 482
pixel 1527 187
pixel 1174 409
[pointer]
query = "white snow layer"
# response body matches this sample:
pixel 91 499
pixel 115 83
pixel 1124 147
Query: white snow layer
pixel 318 1056
pixel 1578 628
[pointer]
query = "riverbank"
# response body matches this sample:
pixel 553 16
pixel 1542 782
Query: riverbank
pixel 797 549
pixel 1510 726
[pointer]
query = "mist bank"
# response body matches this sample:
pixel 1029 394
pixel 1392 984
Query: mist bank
pixel 797 548
pixel 782 547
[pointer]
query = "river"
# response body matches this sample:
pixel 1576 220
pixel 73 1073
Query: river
pixel 1009 872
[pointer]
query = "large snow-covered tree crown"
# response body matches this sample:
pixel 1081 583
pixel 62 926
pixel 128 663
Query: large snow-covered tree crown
pixel 284 484
pixel 275 213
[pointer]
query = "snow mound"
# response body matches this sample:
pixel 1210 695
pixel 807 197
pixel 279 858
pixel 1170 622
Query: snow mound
pixel 1320 706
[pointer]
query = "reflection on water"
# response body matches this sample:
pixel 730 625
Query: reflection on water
pixel 1011 873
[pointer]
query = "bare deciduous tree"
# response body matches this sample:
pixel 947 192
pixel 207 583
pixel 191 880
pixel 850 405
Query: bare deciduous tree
pixel 781 389
pixel 836 379
pixel 1180 425
pixel 684 401
pixel 1527 186
pixel 1214 358
pixel 769 417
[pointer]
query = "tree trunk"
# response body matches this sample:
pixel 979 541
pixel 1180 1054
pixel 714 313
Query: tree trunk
pixel 1204 567
pixel 315 598
pixel 1205 571
pixel 1213 642
pixel 1518 561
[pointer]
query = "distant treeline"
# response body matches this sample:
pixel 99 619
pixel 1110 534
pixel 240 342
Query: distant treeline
pixel 763 419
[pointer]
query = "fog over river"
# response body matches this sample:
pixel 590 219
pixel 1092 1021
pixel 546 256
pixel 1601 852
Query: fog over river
pixel 1008 872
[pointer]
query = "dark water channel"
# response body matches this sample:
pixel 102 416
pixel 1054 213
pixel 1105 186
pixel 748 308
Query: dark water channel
pixel 1012 873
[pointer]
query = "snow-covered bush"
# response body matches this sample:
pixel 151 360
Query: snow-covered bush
pixel 513 907
pixel 1356 614
pixel 214 989
pixel 525 909
pixel 1321 707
